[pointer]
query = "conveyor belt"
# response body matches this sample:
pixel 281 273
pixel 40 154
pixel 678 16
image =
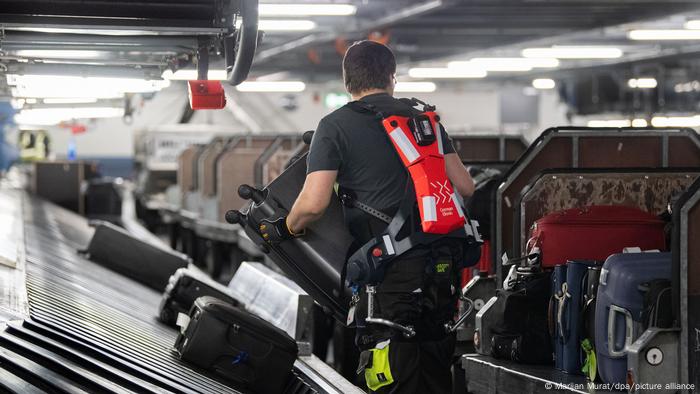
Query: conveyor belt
pixel 90 329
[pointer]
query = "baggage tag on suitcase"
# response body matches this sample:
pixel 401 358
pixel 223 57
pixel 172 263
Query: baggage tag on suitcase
pixel 183 321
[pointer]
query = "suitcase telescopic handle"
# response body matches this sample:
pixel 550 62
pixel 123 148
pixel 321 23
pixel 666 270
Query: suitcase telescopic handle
pixel 562 298
pixel 613 351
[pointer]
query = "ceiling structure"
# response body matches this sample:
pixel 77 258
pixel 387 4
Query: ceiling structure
pixel 144 39
pixel 429 30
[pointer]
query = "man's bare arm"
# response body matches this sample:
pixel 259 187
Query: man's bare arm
pixel 312 201
pixel 458 174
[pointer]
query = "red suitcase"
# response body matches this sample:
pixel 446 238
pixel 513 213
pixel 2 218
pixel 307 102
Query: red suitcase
pixel 484 264
pixel 594 233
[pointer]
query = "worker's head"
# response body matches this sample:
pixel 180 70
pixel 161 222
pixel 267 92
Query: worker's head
pixel 368 67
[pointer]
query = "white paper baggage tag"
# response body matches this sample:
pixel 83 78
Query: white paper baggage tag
pixel 183 321
pixel 351 316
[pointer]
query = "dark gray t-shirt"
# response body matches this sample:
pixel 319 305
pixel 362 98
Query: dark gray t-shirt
pixel 357 146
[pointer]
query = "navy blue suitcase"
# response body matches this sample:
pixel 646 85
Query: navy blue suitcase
pixel 620 307
pixel 558 280
pixel 590 299
pixel 570 320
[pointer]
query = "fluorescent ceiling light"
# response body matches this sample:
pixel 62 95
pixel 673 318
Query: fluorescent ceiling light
pixel 104 32
pixel 693 25
pixel 676 121
pixel 52 116
pixel 543 83
pixel 505 63
pixel 610 123
pixel 491 64
pixel 58 54
pixel 267 9
pixel 573 52
pixel 69 100
pixel 191 75
pixel 283 24
pixel 656 35
pixel 639 123
pixel 642 83
pixel 272 86
pixel 415 87
pixel 58 86
pixel 439 72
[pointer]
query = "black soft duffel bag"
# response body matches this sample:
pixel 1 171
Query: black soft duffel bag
pixel 184 287
pixel 238 346
pixel 521 333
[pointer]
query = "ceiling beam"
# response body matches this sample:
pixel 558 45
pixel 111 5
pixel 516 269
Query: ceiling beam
pixel 358 26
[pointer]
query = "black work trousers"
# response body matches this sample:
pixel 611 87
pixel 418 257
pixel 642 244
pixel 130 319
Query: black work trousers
pixel 419 290
pixel 421 367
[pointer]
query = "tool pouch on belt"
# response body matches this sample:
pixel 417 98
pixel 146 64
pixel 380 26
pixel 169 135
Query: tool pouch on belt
pixel 375 364
pixel 441 281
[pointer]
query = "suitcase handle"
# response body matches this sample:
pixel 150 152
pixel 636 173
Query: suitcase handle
pixel 560 313
pixel 612 326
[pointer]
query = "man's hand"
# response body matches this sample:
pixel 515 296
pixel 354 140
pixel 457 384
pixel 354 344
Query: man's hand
pixel 275 231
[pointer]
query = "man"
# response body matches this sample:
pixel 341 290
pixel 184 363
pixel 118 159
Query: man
pixel 351 147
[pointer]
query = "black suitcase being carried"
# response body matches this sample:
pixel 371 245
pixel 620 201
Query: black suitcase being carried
pixel 238 346
pixel 148 263
pixel 315 261
pixel 184 287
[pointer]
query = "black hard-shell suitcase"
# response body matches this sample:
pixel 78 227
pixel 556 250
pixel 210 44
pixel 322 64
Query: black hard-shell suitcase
pixel 184 287
pixel 314 261
pixel 148 263
pixel 238 346
pixel 103 200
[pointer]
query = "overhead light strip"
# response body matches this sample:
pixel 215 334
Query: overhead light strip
pixel 53 116
pixel 59 86
pixel 544 83
pixel 504 63
pixel 69 100
pixel 676 121
pixel 642 83
pixel 443 72
pixel 574 52
pixel 272 86
pixel 190 75
pixel 282 25
pixel 267 9
pixel 415 87
pixel 661 35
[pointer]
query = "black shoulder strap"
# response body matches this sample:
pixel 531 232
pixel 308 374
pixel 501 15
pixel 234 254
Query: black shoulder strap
pixel 363 107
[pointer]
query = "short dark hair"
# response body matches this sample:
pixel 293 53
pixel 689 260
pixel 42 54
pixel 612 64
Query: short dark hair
pixel 368 65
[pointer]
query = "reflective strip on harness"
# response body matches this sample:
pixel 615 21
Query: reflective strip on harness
pixel 388 245
pixel 429 209
pixel 438 135
pixel 455 200
pixel 404 144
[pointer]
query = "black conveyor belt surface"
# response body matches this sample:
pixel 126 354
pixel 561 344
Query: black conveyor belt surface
pixel 90 329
